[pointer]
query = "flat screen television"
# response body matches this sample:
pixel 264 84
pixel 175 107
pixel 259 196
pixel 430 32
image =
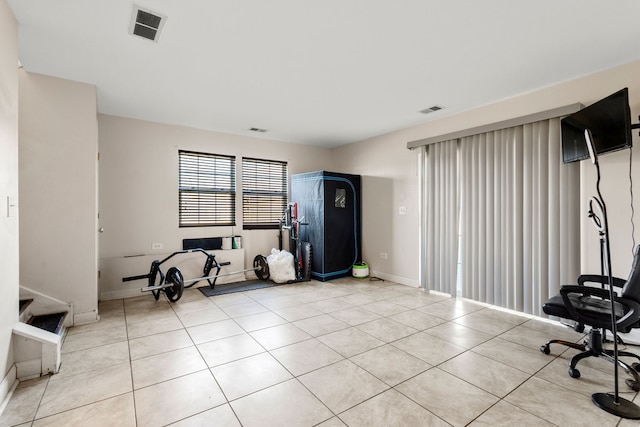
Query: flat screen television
pixel 609 121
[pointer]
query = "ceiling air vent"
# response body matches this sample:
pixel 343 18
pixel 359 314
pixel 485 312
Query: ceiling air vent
pixel 146 24
pixel 430 109
pixel 257 130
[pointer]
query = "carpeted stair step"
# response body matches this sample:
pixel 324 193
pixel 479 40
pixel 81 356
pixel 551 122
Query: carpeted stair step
pixel 53 322
pixel 24 303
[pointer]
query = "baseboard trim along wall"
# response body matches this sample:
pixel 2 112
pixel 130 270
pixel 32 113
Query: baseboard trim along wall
pixel 7 386
pixel 395 279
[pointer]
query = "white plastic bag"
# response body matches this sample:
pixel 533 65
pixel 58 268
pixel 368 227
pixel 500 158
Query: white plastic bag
pixel 281 268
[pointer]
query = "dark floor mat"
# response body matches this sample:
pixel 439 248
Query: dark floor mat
pixel 247 285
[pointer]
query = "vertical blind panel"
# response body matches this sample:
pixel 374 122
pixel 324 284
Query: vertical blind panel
pixel 264 192
pixel 452 214
pixel 524 299
pixel 519 210
pixel 546 248
pixel 569 224
pixel 442 213
pixel 465 220
pixel 553 227
pixel 516 138
pixel 505 224
pixel 207 189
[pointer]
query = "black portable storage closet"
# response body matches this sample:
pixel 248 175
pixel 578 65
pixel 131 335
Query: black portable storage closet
pixel 330 205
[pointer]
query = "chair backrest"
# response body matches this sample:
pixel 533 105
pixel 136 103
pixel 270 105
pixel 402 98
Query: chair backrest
pixel 631 289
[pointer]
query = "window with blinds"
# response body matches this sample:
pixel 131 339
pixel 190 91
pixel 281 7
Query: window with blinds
pixel 264 193
pixel 207 189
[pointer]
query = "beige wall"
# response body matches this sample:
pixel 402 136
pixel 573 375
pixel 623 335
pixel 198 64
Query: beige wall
pixel 8 186
pixel 139 193
pixel 385 161
pixel 389 170
pixel 615 176
pixel 58 191
pixel 390 179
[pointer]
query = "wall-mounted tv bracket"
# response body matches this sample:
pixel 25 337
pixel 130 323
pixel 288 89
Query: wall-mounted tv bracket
pixel 636 126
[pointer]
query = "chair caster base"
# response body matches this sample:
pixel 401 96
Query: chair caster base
pixel 633 385
pixel 574 373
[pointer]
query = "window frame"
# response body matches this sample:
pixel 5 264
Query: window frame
pixel 275 199
pixel 211 182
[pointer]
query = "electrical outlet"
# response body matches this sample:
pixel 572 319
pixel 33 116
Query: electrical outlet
pixel 156 246
pixel 402 210
pixel 383 255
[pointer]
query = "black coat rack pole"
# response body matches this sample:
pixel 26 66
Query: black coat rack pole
pixel 612 404
pixel 614 320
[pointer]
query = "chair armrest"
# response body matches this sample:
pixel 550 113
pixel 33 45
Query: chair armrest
pixel 631 316
pixel 585 291
pixel 632 307
pixel 604 280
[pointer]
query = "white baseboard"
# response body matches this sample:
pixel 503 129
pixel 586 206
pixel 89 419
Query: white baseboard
pixel 7 386
pixel 396 279
pixel 29 369
pixel 124 293
pixel 83 318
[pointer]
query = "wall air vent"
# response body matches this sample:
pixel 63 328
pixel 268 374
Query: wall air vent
pixel 146 24
pixel 257 130
pixel 430 109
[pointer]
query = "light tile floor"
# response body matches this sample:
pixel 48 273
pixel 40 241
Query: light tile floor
pixel 347 352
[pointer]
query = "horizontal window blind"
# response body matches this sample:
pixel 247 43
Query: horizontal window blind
pixel 207 189
pixel 264 192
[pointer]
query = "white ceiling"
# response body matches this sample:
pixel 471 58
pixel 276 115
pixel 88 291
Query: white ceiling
pixel 326 72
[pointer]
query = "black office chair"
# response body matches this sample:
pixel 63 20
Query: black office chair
pixel 589 305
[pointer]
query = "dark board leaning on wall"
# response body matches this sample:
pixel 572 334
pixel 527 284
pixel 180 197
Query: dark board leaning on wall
pixel 206 243
pixel 330 204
